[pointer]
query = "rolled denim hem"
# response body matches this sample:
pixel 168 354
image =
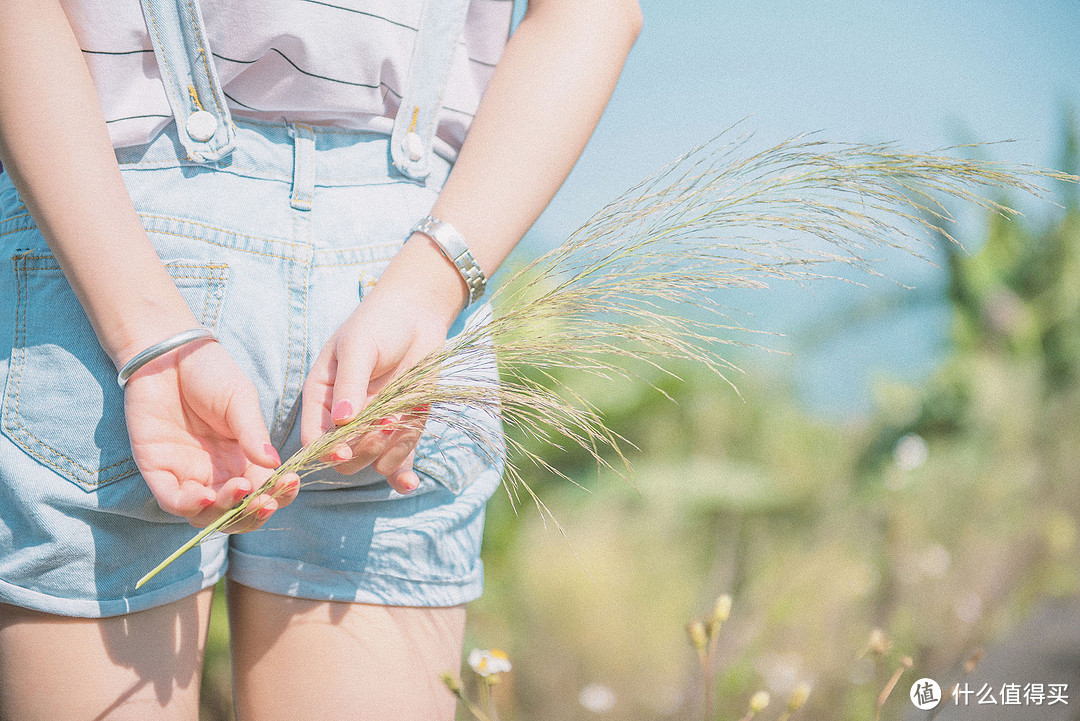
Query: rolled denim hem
pixel 104 608
pixel 298 579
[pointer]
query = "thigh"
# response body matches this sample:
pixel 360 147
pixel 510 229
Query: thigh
pixel 296 658
pixel 143 665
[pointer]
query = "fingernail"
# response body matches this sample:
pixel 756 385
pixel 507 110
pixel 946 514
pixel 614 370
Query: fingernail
pixel 263 513
pixel 343 411
pixel 272 452
pixel 385 422
pixel 422 408
pixel 206 502
pixel 238 495
pixel 342 453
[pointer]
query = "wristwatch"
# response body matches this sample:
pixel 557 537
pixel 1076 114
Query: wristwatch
pixel 453 246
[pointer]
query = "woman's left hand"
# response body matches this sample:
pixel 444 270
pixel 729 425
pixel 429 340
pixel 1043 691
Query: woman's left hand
pixel 398 322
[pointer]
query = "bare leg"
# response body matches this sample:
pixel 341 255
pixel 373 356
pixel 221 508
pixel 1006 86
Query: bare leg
pixel 144 665
pixel 294 658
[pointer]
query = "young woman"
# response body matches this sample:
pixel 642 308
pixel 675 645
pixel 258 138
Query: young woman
pixel 225 204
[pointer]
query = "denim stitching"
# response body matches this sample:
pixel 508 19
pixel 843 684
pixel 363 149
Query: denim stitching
pixel 19 230
pixel 288 352
pixel 394 245
pixel 202 53
pixel 14 217
pixel 22 268
pixel 204 239
pixel 194 97
pixel 281 126
pixel 21 272
pixel 248 171
pixel 288 421
pixel 22 363
pixel 184 221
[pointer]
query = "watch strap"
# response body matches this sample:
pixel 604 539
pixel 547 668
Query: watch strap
pixel 453 246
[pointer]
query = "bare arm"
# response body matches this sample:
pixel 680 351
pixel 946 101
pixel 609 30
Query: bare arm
pixel 546 96
pixel 55 146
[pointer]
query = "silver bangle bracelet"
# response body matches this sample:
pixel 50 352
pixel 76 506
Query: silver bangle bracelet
pixel 159 349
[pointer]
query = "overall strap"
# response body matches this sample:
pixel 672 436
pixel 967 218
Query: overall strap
pixel 187 69
pixel 441 23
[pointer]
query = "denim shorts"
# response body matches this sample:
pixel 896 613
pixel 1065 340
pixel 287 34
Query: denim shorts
pixel 272 247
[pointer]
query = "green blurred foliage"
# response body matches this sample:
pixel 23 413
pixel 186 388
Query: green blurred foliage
pixel 940 519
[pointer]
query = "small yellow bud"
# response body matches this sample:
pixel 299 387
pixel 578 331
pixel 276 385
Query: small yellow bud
pixel 721 610
pixel 759 701
pixel 698 638
pixel 798 697
pixel 451 683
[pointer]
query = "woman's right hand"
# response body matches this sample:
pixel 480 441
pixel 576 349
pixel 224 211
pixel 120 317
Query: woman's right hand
pixel 198 437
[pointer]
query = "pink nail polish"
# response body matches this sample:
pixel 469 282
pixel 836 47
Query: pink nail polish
pixel 343 411
pixel 206 502
pixel 263 513
pixel 272 452
pixel 238 495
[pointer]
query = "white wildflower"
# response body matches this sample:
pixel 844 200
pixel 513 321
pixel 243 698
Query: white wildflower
pixel 488 662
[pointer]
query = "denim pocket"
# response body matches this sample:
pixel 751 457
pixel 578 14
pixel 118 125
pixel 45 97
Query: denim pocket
pixel 61 403
pixel 453 459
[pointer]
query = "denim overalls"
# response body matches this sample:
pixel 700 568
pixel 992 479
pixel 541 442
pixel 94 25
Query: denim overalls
pixel 268 230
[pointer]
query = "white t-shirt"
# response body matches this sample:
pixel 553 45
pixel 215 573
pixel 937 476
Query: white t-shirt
pixel 323 62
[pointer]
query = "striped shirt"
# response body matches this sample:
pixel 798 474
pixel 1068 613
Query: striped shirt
pixel 323 62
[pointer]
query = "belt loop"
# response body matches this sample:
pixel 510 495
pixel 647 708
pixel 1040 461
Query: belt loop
pixel 178 35
pixel 441 24
pixel 303 179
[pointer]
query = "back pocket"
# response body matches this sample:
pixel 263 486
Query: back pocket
pixel 61 402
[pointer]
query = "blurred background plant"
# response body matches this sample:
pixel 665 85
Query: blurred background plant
pixel 943 517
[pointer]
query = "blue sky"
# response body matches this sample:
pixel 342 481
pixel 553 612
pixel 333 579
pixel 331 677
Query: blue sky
pixel 925 73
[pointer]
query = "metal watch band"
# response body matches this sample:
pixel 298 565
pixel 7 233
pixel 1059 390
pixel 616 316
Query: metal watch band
pixel 453 246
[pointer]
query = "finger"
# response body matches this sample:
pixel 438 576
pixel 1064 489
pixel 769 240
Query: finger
pixel 338 454
pixel 186 500
pixel 317 397
pixel 285 489
pixel 245 420
pixel 404 445
pixel 227 496
pixel 255 515
pixel 367 448
pixel 356 363
pixel 231 493
pixel 403 478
